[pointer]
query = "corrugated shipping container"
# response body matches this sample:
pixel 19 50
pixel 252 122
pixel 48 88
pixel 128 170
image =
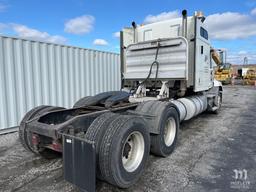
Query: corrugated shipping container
pixel 34 73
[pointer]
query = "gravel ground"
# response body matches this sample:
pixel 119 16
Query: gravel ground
pixel 210 149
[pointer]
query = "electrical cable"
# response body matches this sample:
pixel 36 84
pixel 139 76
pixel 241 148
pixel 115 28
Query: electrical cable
pixel 155 62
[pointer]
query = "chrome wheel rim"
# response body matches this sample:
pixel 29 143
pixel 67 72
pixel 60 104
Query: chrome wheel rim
pixel 133 151
pixel 170 131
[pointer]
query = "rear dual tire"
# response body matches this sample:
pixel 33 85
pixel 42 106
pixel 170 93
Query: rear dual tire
pixel 26 136
pixel 166 122
pixel 96 132
pixel 122 148
pixel 164 143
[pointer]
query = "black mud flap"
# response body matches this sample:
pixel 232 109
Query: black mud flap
pixel 79 163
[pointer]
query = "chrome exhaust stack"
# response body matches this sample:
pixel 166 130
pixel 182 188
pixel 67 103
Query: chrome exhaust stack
pixel 184 23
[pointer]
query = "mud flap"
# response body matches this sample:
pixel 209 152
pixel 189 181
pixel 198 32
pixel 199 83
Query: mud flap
pixel 79 162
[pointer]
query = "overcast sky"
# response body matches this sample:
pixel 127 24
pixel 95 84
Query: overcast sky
pixel 95 24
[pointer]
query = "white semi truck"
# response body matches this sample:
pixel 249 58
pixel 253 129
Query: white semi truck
pixel 167 77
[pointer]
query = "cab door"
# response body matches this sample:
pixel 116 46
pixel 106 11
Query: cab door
pixel 202 58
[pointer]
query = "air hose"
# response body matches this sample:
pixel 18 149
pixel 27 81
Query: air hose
pixel 155 62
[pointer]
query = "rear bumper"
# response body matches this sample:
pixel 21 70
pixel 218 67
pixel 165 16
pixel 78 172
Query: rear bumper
pixel 43 129
pixel 79 123
pixel 79 162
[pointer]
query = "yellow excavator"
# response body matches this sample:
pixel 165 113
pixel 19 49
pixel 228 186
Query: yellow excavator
pixel 250 77
pixel 224 70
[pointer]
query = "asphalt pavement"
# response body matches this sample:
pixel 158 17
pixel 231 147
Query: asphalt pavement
pixel 214 153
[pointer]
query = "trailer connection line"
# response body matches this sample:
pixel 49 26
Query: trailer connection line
pixel 155 62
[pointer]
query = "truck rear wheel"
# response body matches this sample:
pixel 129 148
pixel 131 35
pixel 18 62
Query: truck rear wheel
pixel 164 143
pixel 26 136
pixel 166 121
pixel 96 132
pixel 124 150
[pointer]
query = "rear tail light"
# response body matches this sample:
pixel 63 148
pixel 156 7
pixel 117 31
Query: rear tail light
pixel 57 146
pixel 35 139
